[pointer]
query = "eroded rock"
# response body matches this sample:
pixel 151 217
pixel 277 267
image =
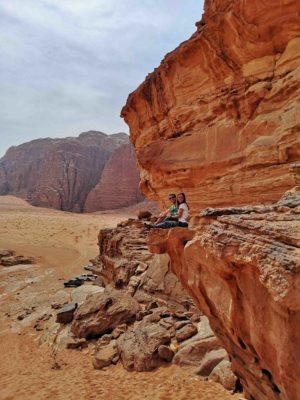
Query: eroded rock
pixel 106 355
pixel 242 269
pixel 102 312
pixel 223 374
pixel 138 346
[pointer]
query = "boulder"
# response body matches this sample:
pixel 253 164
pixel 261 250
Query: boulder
pixel 138 346
pixel 66 313
pixel 223 374
pixel 186 332
pixel 81 293
pixel 102 312
pixel 166 353
pixel 192 351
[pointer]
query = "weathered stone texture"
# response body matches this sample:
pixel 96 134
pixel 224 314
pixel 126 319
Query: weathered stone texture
pixel 241 265
pixel 219 118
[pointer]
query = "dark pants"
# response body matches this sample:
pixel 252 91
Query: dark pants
pixel 171 224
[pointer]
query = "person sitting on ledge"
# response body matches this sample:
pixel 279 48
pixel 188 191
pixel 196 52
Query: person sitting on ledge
pixel 171 213
pixel 183 216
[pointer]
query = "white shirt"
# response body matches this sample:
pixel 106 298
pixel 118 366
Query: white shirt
pixel 185 212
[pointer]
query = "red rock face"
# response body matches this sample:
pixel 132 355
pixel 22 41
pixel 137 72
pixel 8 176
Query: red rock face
pixel 119 183
pixel 60 173
pixel 241 265
pixel 219 118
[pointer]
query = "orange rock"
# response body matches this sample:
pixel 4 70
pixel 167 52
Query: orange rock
pixel 241 265
pixel 219 118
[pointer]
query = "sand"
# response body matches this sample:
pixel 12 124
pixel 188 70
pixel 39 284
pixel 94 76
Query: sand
pixel 29 368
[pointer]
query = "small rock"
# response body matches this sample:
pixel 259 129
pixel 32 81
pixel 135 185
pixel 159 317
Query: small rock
pixel 180 324
pixel 106 355
pixel 73 343
pixel 141 314
pixel 186 332
pixel 66 313
pixel 155 317
pixel 73 282
pixel 88 267
pixel 56 306
pixel 181 315
pixel 165 353
pixel 38 327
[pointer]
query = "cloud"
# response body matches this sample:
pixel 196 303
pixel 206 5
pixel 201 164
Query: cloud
pixel 68 65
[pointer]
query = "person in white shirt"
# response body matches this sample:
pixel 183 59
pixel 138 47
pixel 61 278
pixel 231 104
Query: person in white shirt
pixel 183 216
pixel 183 211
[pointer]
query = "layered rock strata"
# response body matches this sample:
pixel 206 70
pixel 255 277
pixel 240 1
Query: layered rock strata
pixel 241 266
pixel 219 118
pixel 125 261
pixel 60 173
pixel 119 183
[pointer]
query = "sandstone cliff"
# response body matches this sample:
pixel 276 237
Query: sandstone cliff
pixel 242 265
pixel 60 173
pixel 119 183
pixel 219 118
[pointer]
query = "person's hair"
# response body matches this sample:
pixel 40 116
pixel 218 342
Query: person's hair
pixel 172 195
pixel 184 200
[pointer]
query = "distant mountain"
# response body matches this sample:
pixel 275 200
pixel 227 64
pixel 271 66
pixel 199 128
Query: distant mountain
pixel 61 173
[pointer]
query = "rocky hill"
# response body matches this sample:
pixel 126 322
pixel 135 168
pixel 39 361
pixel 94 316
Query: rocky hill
pixel 219 120
pixel 60 173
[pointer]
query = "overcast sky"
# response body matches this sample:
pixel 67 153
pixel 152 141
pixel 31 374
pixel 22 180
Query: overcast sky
pixel 67 66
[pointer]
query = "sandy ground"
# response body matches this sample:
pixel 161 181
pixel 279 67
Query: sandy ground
pixel 29 368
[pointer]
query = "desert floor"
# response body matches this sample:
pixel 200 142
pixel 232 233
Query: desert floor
pixel 29 367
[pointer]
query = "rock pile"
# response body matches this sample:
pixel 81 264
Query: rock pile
pixel 144 318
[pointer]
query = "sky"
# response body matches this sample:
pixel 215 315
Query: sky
pixel 67 66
